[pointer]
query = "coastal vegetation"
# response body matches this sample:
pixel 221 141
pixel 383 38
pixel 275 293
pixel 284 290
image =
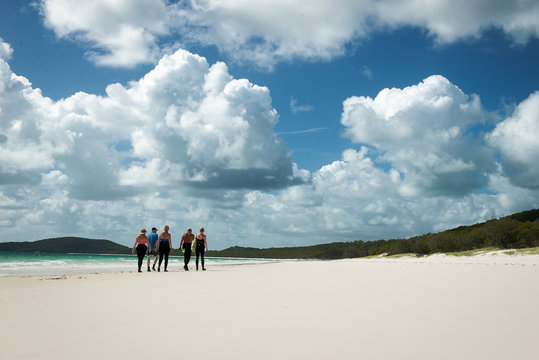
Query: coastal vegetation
pixel 517 231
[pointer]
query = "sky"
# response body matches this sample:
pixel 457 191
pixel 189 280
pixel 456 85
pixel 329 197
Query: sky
pixel 269 123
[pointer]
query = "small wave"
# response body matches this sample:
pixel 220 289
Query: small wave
pixel 32 264
pixel 14 265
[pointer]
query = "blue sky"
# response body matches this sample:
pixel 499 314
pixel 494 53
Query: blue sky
pixel 284 123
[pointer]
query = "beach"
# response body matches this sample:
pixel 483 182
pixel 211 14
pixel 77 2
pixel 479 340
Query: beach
pixel 405 308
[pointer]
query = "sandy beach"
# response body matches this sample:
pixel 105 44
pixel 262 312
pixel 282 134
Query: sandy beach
pixel 405 308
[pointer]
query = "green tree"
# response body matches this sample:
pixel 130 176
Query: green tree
pixel 502 233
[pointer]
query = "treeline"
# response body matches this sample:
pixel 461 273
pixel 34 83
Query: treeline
pixel 511 232
pixel 516 231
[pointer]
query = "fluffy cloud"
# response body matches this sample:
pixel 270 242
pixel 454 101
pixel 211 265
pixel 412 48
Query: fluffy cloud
pixel 353 199
pixel 450 20
pixel 186 122
pixel 121 33
pixel 22 150
pixel 516 139
pixel 217 131
pixel 421 168
pixel 423 131
pixel 126 33
pixel 269 31
pixel 189 145
pixel 181 146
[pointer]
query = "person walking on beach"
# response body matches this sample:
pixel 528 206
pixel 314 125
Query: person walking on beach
pixel 152 238
pixel 164 244
pixel 200 246
pixel 142 244
pixel 186 243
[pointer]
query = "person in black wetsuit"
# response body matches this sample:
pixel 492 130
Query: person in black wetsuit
pixel 200 247
pixel 142 245
pixel 186 242
pixel 164 244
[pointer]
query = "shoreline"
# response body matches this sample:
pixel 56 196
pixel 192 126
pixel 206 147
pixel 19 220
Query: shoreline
pixel 488 257
pixel 496 258
pixel 54 264
pixel 349 309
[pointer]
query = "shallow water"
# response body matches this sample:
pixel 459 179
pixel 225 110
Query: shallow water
pixel 46 264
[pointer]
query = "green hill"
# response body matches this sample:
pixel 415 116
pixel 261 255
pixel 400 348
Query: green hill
pixel 67 245
pixel 516 231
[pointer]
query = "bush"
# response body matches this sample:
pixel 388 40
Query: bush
pixel 502 233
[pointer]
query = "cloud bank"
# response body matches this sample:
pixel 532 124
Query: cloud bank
pixel 126 33
pixel 189 145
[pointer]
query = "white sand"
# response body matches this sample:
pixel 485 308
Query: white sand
pixel 350 309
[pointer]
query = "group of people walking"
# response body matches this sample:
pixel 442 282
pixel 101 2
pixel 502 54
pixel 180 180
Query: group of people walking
pixel 154 245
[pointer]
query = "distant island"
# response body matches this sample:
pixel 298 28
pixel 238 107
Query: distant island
pixel 520 230
pixel 66 245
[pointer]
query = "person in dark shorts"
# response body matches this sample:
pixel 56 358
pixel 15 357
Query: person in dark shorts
pixel 152 238
pixel 185 244
pixel 142 244
pixel 200 246
pixel 164 244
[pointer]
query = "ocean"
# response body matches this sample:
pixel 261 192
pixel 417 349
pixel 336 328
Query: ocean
pixel 45 264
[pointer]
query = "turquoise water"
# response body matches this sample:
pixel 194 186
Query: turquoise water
pixel 41 264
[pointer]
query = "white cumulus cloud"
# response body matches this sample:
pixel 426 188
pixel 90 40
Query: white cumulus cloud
pixel 186 130
pixel 423 131
pixel 120 33
pixel 266 32
pixel 202 126
pixel 449 20
pixel 270 31
pixel 190 132
pixel 420 169
pixel 353 199
pixel 518 142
